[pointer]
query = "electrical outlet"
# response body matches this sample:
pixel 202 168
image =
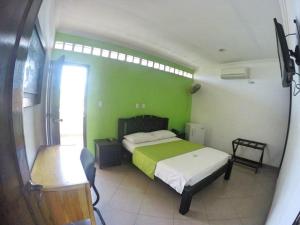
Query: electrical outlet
pixel 143 105
pixel 137 105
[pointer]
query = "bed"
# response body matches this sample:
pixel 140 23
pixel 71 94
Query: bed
pixel 184 166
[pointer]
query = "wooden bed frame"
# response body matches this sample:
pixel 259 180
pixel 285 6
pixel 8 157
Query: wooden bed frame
pixel 148 123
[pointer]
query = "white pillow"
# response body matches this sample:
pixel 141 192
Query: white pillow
pixel 162 134
pixel 139 137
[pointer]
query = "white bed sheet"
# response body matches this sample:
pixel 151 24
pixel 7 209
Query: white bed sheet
pixel 190 168
pixel 186 169
pixel 131 146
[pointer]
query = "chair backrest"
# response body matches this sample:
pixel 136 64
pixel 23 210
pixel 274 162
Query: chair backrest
pixel 88 161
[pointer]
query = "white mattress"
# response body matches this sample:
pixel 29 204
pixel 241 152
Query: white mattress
pixel 186 169
pixel 131 146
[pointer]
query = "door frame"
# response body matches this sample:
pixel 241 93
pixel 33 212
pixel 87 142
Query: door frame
pixel 47 97
pixel 18 19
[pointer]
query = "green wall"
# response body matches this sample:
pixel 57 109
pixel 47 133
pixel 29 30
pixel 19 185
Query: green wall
pixel 120 85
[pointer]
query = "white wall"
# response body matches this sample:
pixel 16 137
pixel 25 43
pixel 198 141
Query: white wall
pixel 234 108
pixel 285 206
pixel 32 132
pixel 33 116
pixel 47 19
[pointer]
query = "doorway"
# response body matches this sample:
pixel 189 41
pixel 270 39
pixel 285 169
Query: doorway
pixel 72 105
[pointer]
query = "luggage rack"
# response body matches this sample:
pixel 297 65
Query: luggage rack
pixel 250 144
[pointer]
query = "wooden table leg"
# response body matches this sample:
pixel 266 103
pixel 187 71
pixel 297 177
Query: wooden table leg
pixel 90 204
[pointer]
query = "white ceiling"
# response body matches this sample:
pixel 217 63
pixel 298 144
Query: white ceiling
pixel 189 32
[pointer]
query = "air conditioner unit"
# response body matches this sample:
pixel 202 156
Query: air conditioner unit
pixel 235 73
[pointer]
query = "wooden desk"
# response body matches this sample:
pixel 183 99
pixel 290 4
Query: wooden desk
pixel 65 196
pixel 82 222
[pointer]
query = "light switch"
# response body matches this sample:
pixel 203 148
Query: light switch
pixel 137 105
pixel 99 104
pixel 143 105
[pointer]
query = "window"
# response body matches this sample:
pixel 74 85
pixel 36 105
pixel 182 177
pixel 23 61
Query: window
pixel 136 60
pixel 189 75
pixel 161 67
pixel 121 56
pixel 68 46
pixel 59 45
pixel 78 48
pixel 96 51
pixel 129 58
pixel 150 64
pixel 167 68
pixel 105 53
pixel 114 55
pixel 156 65
pixel 144 62
pixel 87 49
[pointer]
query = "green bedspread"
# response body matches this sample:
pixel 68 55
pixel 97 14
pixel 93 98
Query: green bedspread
pixel 146 157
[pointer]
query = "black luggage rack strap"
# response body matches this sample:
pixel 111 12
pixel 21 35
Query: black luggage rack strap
pixel 250 144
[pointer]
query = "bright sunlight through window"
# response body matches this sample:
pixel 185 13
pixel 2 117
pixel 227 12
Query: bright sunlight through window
pixel 66 46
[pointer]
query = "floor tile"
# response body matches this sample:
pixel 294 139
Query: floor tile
pixel 159 188
pixel 234 190
pixel 106 212
pixel 240 175
pixel 126 200
pixel 150 220
pixel 226 222
pixel 110 175
pixel 188 222
pixel 192 217
pixel 220 208
pixel 215 190
pixel 106 191
pixel 129 197
pixel 136 181
pixel 157 206
pixel 253 220
pixel 251 206
pixel 118 217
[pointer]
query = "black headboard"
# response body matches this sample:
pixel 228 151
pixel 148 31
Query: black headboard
pixel 144 123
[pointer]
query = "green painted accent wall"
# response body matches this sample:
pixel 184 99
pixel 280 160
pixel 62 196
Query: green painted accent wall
pixel 120 85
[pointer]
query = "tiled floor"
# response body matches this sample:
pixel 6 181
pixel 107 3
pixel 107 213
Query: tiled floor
pixel 128 197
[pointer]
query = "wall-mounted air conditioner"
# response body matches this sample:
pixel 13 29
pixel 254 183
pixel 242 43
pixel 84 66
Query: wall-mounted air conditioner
pixel 235 73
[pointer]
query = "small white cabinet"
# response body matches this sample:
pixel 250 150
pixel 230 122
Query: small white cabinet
pixel 195 133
